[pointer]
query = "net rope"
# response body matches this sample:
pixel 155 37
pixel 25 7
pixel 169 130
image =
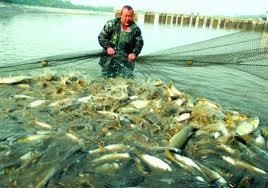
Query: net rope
pixel 241 53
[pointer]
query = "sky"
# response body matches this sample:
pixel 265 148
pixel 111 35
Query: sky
pixel 203 7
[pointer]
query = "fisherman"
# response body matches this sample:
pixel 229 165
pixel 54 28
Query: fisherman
pixel 122 42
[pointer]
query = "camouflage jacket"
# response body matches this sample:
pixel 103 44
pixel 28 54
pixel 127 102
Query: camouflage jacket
pixel 110 34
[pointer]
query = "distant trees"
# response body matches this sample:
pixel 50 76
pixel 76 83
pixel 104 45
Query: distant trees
pixel 6 1
pixel 50 3
pixel 57 4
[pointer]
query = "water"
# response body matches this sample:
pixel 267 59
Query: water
pixel 55 157
pixel 25 36
pixel 33 35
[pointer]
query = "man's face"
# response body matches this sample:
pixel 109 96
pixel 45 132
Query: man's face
pixel 126 17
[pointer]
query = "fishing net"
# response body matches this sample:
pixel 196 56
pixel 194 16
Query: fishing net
pixel 240 56
pixel 242 51
pixel 240 59
pixel 63 125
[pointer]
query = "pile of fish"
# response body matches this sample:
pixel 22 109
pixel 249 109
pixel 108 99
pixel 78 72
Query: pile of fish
pixel 58 131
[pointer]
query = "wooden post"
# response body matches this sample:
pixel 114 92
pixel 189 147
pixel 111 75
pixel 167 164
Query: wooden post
pixel 186 20
pixel 194 18
pixel 168 21
pixel 174 19
pixel 201 22
pixel 214 23
pixel 222 23
pixel 208 19
pixel 219 23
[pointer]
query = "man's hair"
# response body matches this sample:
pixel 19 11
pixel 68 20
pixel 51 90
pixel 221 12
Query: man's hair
pixel 127 7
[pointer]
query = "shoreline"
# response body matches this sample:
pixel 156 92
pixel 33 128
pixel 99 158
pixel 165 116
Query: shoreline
pixel 10 8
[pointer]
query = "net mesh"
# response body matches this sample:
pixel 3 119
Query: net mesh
pixel 67 131
pixel 242 51
pixel 200 68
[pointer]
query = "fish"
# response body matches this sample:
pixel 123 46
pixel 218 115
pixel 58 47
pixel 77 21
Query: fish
pixel 243 165
pixel 13 80
pixel 155 162
pixel 182 117
pixel 107 167
pixel 112 147
pixel 260 140
pixel 37 103
pixel 26 156
pixel 85 99
pixel 109 113
pixel 180 139
pixel 180 102
pixel 186 162
pixel 59 102
pixel 34 137
pixel 164 148
pixel 111 157
pixel 133 97
pixel 247 126
pixel 213 176
pixel 199 178
pixel 156 148
pixel 43 124
pixel 208 103
pixel 24 86
pixel 72 137
pixel 216 129
pixel 228 149
pixel 22 97
pixel 43 132
pixel 139 103
pixel 173 92
pixel 216 134
pixel 259 151
pixel 244 183
pixel 158 83
pixel 128 110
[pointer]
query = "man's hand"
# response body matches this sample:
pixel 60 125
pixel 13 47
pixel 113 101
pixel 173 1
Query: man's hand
pixel 110 51
pixel 131 57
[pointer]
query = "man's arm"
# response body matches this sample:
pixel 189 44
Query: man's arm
pixel 139 42
pixel 105 35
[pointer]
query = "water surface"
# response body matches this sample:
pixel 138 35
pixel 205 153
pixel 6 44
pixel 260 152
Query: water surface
pixel 26 36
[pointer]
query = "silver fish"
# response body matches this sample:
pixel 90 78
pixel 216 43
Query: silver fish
pixel 37 103
pixel 13 80
pixel 155 162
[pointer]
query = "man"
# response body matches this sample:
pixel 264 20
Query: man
pixel 122 42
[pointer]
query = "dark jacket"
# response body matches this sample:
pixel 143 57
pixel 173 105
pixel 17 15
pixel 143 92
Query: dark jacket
pixel 110 33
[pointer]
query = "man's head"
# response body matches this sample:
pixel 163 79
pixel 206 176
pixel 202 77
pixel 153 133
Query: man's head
pixel 127 15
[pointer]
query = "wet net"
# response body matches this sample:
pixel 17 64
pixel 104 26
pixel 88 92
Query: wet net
pixel 64 126
pixel 239 56
pixel 242 51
